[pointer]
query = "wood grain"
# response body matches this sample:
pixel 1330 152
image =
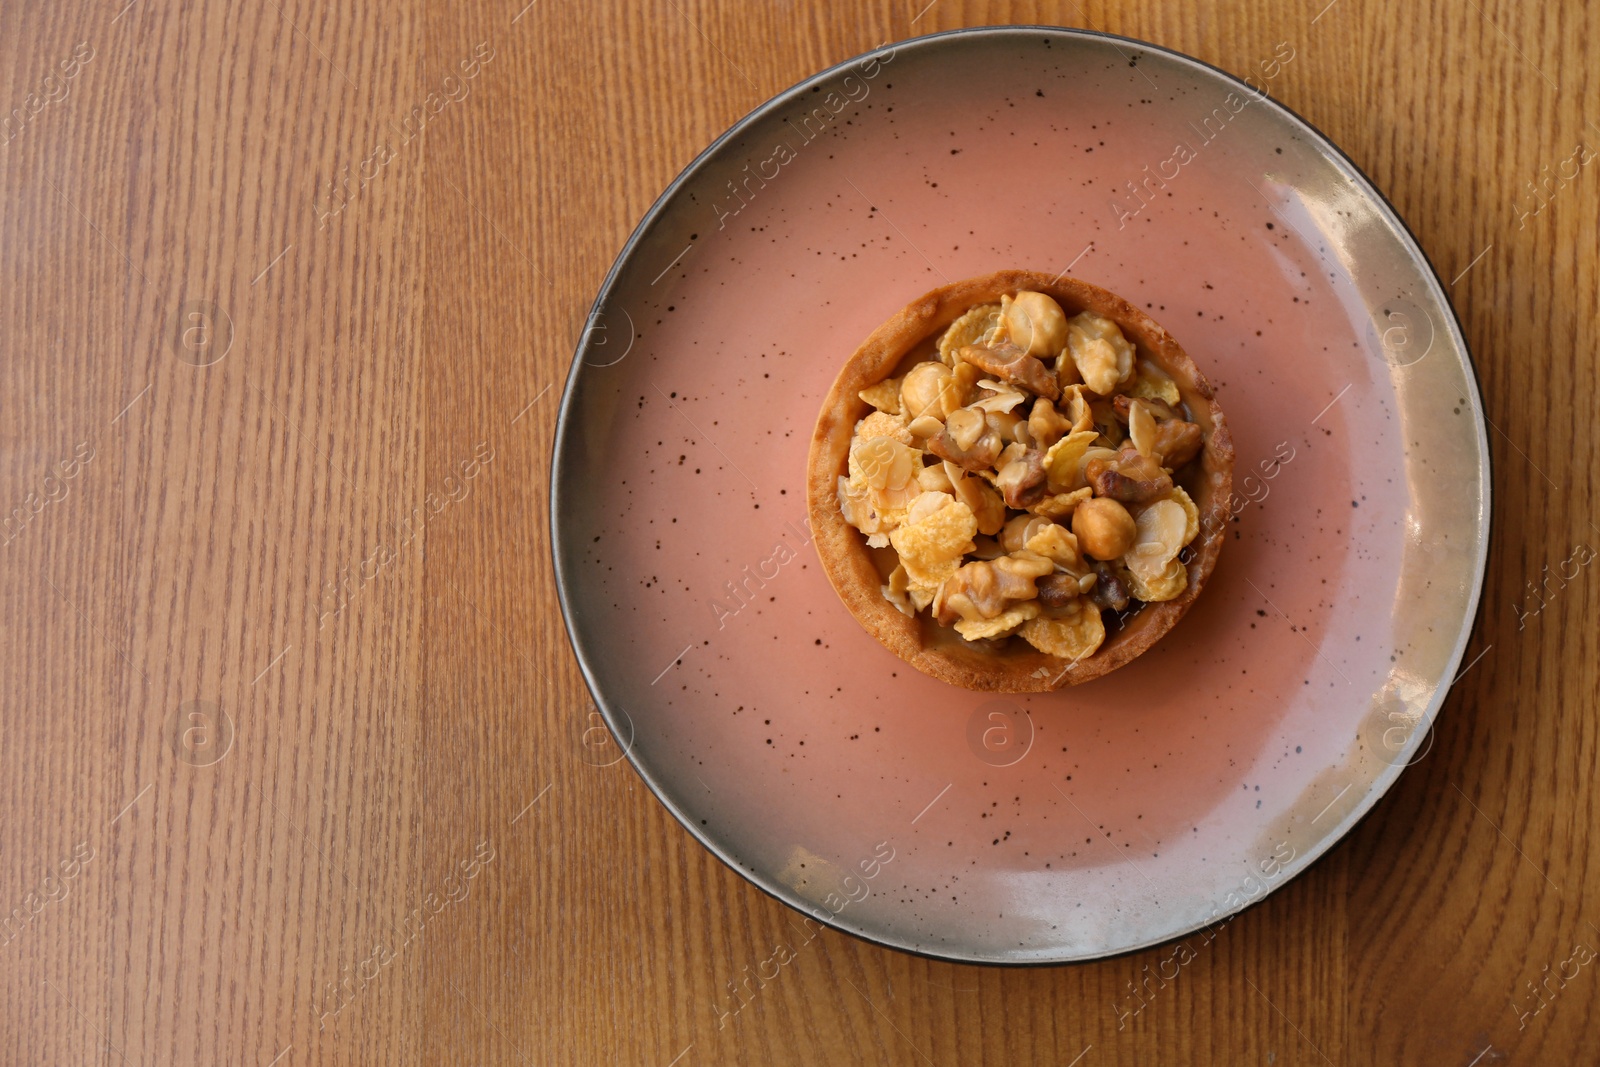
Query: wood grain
pixel 289 536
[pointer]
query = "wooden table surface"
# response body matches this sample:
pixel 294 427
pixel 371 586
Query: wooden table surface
pixel 276 293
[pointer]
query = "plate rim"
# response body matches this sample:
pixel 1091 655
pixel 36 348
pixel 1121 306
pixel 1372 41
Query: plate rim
pixel 563 438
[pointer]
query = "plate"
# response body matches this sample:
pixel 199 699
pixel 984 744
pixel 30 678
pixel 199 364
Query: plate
pixel 1054 827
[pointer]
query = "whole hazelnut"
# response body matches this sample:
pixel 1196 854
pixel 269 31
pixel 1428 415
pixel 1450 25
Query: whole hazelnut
pixel 928 389
pixel 1104 528
pixel 1036 324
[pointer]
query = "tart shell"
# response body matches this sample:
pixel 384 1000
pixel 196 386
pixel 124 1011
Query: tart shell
pixel 855 572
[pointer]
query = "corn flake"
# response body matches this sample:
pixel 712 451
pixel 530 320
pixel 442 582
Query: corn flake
pixel 1165 584
pixel 1002 625
pixel 1057 544
pixel 969 329
pixel 885 396
pixel 931 548
pixel 1061 505
pixel 1152 383
pixel 1061 462
pixel 1073 635
pixel 883 424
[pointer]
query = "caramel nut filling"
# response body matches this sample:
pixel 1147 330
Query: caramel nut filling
pixel 1026 475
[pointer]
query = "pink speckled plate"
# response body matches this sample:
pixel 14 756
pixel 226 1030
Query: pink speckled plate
pixel 1120 813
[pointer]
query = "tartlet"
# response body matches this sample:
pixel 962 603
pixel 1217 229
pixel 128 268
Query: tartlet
pixel 1025 606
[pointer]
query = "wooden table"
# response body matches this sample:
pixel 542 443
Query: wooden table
pixel 276 292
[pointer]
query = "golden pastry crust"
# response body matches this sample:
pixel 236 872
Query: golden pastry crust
pixel 937 650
